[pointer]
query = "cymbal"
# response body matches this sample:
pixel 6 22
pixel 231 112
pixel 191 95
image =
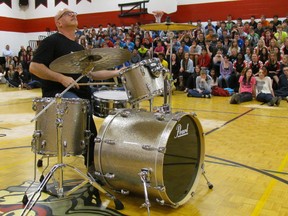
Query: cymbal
pixel 167 26
pixel 84 61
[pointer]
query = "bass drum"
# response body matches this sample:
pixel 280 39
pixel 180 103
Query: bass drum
pixel 169 146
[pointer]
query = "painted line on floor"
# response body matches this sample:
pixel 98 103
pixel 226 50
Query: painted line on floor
pixel 238 166
pixel 231 120
pixel 262 201
pixel 16 147
pixel 255 169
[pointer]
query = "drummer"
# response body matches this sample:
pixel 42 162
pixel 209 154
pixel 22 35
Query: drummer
pixel 57 45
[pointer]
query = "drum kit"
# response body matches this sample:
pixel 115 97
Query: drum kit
pixel 165 148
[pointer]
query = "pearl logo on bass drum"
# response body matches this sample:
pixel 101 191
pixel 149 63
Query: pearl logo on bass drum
pixel 181 132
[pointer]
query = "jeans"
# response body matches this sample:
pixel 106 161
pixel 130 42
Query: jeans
pixel 226 79
pixel 245 96
pixel 264 97
pixel 195 93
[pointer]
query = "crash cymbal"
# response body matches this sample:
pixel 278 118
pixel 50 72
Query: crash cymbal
pixel 81 62
pixel 167 26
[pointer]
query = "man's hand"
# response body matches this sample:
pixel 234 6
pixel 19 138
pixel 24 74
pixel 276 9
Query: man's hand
pixel 67 81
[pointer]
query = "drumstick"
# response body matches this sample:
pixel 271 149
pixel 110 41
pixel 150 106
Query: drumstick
pixel 97 83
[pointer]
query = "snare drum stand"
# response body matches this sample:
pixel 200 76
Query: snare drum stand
pixel 60 165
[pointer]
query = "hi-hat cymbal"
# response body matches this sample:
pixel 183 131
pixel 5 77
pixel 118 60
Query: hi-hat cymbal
pixel 167 26
pixel 82 62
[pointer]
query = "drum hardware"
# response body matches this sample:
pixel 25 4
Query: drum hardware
pixel 60 111
pixel 210 186
pixel 151 148
pixel 145 176
pixel 110 142
pixel 106 175
pixel 161 202
pixel 160 188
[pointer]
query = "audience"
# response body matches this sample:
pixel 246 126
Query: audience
pixel 227 48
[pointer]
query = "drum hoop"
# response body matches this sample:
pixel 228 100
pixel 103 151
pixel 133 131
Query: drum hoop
pixel 95 94
pixel 164 137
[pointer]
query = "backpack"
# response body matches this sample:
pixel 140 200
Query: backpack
pixel 217 91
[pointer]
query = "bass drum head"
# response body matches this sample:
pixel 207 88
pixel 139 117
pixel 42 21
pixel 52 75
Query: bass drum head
pixel 183 158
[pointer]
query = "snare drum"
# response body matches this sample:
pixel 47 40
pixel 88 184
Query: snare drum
pixel 73 129
pixel 106 101
pixel 169 147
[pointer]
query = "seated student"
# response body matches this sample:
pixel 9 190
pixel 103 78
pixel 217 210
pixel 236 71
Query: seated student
pixel 191 82
pixel 2 75
pixel 247 87
pixel 20 77
pixel 264 90
pixel 203 86
pixel 226 69
pixel 282 91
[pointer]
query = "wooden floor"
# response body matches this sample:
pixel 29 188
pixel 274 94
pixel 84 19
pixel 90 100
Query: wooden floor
pixel 246 160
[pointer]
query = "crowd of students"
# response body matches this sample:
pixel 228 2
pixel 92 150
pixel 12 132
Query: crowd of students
pixel 229 55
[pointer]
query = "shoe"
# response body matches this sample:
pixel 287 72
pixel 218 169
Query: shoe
pixel 232 100
pixel 186 90
pixel 237 98
pixel 278 101
pixel 25 85
pixel 272 101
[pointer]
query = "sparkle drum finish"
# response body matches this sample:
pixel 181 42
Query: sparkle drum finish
pixel 74 124
pixel 144 80
pixel 169 146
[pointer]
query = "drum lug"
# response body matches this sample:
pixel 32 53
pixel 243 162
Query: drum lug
pixel 123 191
pixel 37 134
pixel 160 188
pixel 43 144
pixel 160 201
pixel 110 142
pixel 65 144
pixel 82 144
pixel 106 175
pixel 97 140
pixel 151 148
pixel 160 117
pixel 34 107
pixel 125 113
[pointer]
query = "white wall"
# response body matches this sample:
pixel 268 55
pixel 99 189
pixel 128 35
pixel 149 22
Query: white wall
pixel 16 40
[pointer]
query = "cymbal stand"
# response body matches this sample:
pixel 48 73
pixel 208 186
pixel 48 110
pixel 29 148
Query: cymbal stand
pixel 166 108
pixel 60 165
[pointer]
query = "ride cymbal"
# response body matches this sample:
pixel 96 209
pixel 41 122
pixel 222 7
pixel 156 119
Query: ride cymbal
pixel 82 62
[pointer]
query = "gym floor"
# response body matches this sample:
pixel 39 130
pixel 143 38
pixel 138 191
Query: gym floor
pixel 246 161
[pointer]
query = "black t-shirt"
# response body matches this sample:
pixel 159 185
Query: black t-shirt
pixel 52 48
